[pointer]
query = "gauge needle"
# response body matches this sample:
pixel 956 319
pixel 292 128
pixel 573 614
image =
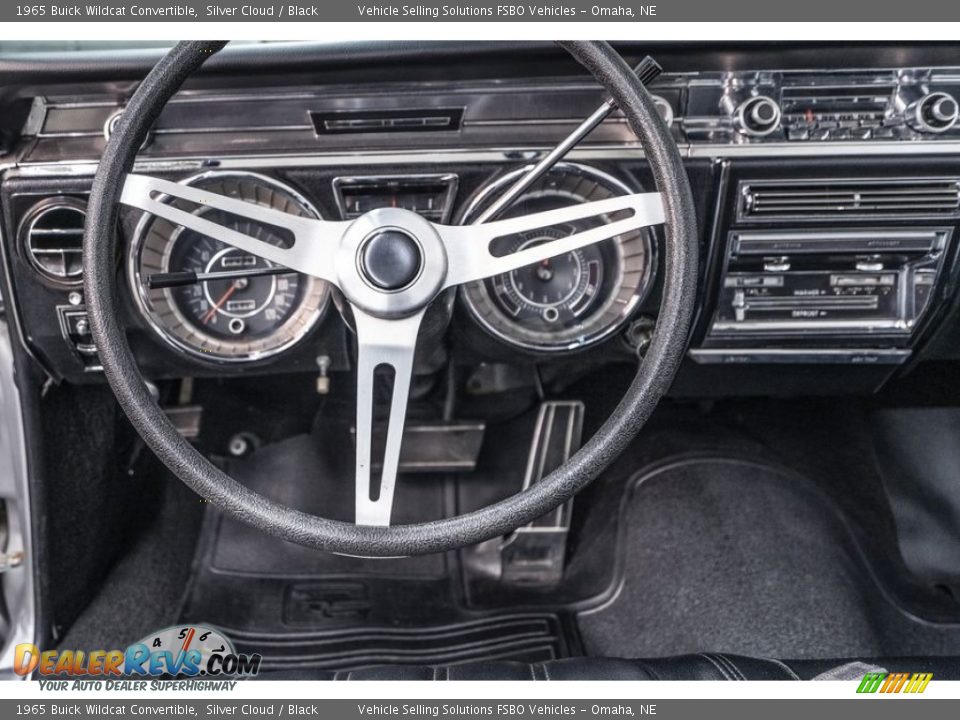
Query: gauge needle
pixel 187 640
pixel 217 305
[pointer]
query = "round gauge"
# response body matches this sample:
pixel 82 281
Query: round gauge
pixel 248 318
pixel 181 639
pixel 573 300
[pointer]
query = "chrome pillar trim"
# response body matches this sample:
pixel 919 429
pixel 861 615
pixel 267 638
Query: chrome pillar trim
pixel 18 580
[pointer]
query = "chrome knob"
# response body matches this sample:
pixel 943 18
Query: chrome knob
pixel 944 110
pixel 757 116
pixel 664 108
pixel 935 112
pixel 110 127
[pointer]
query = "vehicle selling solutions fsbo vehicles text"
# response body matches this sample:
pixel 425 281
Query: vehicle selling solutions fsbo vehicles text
pixel 511 11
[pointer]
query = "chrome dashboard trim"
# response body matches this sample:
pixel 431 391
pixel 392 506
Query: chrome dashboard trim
pixel 452 180
pixel 434 156
pixel 180 131
pixel 825 149
pixel 794 326
pixel 855 356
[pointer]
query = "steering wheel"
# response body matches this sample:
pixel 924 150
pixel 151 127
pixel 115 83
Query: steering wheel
pixel 389 264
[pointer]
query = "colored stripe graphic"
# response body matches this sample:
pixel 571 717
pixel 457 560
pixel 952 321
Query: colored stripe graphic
pixel 918 683
pixel 894 682
pixel 888 683
pixel 871 682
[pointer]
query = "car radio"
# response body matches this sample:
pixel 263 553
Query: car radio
pixel 809 283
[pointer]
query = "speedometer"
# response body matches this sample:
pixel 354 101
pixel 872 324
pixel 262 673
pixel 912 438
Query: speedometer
pixel 244 318
pixel 572 300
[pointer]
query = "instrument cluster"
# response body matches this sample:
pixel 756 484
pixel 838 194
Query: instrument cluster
pixel 571 301
pixel 227 320
pixel 566 303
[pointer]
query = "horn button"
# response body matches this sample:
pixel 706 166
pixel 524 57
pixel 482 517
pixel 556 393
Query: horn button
pixel 391 259
pixel 391 263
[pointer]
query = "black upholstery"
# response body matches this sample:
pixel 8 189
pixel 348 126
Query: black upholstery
pixel 703 666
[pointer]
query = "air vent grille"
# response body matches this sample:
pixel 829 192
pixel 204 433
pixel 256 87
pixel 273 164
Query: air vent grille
pixel 53 237
pixel 855 198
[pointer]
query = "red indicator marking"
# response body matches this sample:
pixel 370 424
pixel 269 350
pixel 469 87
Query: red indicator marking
pixel 187 640
pixel 213 311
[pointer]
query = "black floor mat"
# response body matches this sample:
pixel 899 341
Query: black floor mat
pixel 314 474
pixel 530 638
pixel 713 554
pixel 735 556
pixel 143 591
pixel 300 608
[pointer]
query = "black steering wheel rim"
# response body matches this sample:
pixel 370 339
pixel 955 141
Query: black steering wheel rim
pixel 654 375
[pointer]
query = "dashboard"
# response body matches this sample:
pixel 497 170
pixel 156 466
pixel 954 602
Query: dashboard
pixel 827 184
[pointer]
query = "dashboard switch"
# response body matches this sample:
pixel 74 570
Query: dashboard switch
pixel 323 378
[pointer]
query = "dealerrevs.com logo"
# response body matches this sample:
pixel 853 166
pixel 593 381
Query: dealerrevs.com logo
pixel 186 651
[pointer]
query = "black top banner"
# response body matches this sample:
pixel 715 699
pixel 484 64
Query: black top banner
pixel 480 11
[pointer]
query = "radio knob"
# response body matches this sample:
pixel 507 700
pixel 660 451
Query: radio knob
pixel 933 113
pixel 757 116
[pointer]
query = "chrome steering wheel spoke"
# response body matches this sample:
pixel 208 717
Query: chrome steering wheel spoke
pixel 381 344
pixel 314 241
pixel 469 255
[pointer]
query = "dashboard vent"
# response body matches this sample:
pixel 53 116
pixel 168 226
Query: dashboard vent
pixel 854 198
pixel 53 237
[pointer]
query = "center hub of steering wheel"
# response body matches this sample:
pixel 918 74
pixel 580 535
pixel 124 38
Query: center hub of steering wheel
pixel 391 259
pixel 391 263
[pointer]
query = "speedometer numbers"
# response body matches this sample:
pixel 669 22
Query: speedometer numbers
pixel 228 309
pixel 572 300
pixel 244 318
